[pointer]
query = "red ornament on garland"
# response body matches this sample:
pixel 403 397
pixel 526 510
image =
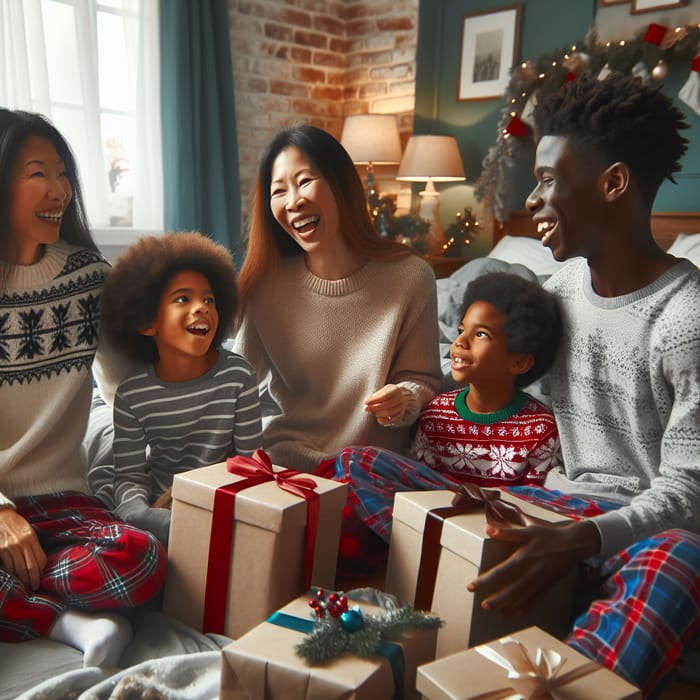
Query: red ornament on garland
pixel 655 34
pixel 517 127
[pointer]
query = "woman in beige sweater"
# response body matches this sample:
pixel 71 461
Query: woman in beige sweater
pixel 339 323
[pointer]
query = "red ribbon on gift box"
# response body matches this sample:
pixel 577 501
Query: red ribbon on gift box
pixel 256 470
pixel 468 498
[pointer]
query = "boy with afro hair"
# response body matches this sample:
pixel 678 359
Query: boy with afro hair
pixel 167 305
pixel 489 431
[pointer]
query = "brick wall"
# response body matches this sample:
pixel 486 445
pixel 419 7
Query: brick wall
pixel 315 61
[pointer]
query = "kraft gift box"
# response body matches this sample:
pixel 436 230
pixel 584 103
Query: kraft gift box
pixel 264 566
pixel 464 552
pixel 468 675
pixel 262 665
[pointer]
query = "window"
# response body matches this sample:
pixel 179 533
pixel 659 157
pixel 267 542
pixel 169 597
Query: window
pixel 92 67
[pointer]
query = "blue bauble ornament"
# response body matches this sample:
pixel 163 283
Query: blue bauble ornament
pixel 351 620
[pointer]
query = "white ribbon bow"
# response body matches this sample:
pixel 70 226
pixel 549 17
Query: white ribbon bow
pixel 530 679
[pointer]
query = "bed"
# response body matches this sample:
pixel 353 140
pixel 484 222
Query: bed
pixel 675 232
pixel 173 661
pixel 517 248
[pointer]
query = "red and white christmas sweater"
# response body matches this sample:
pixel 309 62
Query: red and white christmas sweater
pixel 516 445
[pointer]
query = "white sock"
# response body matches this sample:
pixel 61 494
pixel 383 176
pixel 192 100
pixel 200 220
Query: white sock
pixel 101 637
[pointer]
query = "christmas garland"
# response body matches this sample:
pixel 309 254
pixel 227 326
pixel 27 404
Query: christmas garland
pixel 647 55
pixel 339 629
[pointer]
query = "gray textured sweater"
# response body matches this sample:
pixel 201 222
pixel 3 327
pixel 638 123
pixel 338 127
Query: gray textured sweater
pixel 625 391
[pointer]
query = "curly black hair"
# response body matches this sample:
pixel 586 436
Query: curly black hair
pixel 133 289
pixel 532 317
pixel 618 119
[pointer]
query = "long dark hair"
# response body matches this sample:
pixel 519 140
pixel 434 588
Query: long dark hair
pixel 268 241
pixel 15 128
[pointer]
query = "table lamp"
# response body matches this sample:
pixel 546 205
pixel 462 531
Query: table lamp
pixel 372 139
pixel 431 159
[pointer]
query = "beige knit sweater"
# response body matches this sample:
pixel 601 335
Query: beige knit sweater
pixel 324 346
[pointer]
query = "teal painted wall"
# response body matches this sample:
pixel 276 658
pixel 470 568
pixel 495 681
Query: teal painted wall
pixel 546 25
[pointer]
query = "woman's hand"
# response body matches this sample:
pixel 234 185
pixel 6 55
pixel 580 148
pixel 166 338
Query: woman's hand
pixel 388 404
pixel 20 551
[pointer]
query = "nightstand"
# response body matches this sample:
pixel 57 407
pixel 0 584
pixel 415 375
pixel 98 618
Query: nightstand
pixel 444 266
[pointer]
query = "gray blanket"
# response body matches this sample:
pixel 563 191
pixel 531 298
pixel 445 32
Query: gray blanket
pixel 45 670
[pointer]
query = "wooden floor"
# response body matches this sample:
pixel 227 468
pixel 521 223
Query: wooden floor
pixel 682 691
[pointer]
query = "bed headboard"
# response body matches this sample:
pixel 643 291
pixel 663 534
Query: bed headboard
pixel 664 225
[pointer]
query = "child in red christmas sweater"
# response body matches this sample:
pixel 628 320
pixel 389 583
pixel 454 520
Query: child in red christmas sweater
pixel 489 431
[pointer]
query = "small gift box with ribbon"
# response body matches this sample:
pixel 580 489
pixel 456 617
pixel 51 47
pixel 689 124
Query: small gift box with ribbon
pixel 247 537
pixel 271 660
pixel 438 545
pixel 526 665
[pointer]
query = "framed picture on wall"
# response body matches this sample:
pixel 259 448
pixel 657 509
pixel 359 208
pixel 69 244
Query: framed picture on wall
pixel 490 46
pixel 605 3
pixel 639 6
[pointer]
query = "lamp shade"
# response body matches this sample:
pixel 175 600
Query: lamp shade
pixel 433 158
pixel 372 139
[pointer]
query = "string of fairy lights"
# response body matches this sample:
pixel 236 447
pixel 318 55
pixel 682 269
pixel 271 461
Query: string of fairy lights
pixel 647 55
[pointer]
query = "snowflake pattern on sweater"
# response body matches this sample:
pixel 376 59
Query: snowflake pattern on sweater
pixel 53 329
pixel 516 445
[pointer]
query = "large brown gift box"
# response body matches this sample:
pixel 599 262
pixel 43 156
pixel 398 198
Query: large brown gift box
pixel 262 665
pixel 265 565
pixel 464 551
pixel 469 675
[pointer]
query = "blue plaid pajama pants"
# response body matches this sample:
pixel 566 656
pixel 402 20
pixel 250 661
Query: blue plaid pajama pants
pixel 641 616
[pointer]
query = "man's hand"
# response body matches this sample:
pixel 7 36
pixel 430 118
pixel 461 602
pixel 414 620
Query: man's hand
pixel 547 552
pixel 388 404
pixel 20 551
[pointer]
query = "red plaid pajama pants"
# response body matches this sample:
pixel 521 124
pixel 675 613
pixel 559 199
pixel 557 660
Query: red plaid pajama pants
pixel 95 562
pixel 641 607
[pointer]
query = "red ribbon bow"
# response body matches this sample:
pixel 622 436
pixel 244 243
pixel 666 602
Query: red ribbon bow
pixel 256 470
pixel 260 466
pixel 467 498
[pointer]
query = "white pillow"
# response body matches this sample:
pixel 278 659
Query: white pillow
pixel 526 251
pixel 687 245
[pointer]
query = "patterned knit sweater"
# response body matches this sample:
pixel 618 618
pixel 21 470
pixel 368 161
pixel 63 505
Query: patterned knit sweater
pixel 49 323
pixel 625 389
pixel 324 346
pixel 516 445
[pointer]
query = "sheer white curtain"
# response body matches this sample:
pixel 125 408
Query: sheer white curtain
pixel 92 67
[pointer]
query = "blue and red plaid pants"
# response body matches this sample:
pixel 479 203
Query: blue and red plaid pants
pixel 641 616
pixel 95 562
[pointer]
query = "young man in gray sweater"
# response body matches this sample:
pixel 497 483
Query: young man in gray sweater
pixel 625 387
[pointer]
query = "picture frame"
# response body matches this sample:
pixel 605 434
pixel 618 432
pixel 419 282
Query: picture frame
pixel 489 48
pixel 640 6
pixel 605 3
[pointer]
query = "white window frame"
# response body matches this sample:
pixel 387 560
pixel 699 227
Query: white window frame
pixel 25 84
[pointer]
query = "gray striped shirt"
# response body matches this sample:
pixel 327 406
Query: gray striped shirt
pixel 165 428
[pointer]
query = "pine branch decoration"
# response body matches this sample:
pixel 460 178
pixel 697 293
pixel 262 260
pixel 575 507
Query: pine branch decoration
pixel 340 630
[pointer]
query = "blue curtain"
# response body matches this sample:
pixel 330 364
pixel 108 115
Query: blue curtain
pixel 200 151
